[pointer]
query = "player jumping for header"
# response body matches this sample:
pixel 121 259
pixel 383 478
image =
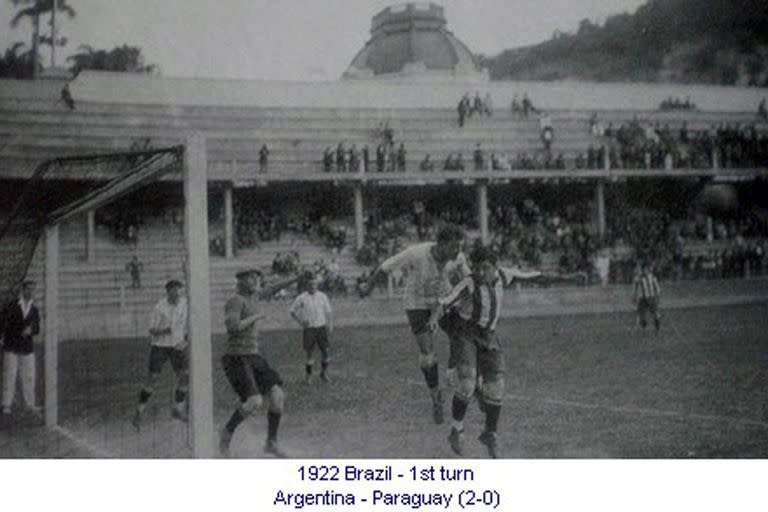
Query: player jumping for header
pixel 430 266
pixel 477 301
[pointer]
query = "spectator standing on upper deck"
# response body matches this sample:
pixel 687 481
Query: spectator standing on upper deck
pixel 340 158
pixel 380 158
pixel 401 154
pixel 263 158
pixel 477 105
pixel 488 105
pixel 366 159
pixel 762 110
pixel 527 105
pixel 547 132
pixel 515 105
pixel 427 164
pixel 478 158
pixel 463 109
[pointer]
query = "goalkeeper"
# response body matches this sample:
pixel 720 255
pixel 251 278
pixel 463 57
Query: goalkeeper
pixel 168 331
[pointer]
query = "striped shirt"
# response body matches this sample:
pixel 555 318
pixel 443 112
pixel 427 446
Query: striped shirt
pixel 312 308
pixel 245 341
pixel 480 303
pixel 426 280
pixel 647 286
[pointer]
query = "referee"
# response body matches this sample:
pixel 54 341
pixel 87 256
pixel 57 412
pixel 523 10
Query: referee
pixel 646 296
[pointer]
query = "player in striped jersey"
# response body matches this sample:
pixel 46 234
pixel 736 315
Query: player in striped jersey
pixel 431 267
pixel 646 296
pixel 477 302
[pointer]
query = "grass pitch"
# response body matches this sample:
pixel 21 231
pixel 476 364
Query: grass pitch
pixel 584 386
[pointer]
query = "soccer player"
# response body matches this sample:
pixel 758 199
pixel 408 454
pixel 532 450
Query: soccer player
pixel 168 332
pixel 247 371
pixel 477 302
pixel 312 311
pixel 19 324
pixel 430 265
pixel 646 296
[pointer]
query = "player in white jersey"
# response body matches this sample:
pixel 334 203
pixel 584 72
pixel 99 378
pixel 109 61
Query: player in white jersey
pixel 168 331
pixel 312 311
pixel 430 268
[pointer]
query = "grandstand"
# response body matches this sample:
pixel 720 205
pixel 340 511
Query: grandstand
pixel 298 122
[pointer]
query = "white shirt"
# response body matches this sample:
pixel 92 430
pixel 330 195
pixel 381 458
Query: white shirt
pixel 426 282
pixel 312 308
pixel 26 307
pixel 166 315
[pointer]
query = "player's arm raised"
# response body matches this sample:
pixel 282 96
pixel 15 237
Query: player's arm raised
pixel 511 274
pixel 399 260
pixel 267 292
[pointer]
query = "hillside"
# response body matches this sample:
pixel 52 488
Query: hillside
pixel 682 41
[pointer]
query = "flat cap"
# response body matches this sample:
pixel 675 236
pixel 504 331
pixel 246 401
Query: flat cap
pixel 173 283
pixel 247 272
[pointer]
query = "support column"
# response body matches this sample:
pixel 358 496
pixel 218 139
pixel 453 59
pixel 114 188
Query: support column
pixel 90 240
pixel 229 223
pixel 600 207
pixel 359 227
pixel 482 211
pixel 198 289
pixel 51 361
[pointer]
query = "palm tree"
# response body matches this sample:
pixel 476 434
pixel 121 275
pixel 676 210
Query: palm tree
pixel 15 63
pixel 120 58
pixel 33 10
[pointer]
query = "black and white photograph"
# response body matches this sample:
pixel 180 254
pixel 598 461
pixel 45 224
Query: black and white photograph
pixel 341 230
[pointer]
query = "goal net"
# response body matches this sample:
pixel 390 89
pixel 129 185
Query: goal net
pixel 101 236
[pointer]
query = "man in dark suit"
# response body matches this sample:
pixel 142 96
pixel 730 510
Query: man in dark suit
pixel 19 323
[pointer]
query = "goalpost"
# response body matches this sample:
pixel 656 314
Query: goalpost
pixel 146 168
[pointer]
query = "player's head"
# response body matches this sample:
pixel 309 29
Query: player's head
pixel 248 280
pixel 312 282
pixel 27 288
pixel 450 237
pixel 484 262
pixel 173 290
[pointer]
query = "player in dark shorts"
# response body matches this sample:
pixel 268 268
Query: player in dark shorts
pixel 168 329
pixel 646 295
pixel 247 371
pixel 477 351
pixel 430 266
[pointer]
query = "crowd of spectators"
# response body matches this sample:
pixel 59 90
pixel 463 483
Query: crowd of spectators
pixel 388 158
pixel 522 107
pixel 254 225
pixel 674 103
pixel 478 106
pixel 675 245
pixel 524 233
pixel 638 145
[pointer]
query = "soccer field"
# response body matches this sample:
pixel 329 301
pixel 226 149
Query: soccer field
pixel 583 386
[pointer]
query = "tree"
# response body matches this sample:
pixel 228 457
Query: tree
pixel 33 11
pixel 16 63
pixel 121 58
